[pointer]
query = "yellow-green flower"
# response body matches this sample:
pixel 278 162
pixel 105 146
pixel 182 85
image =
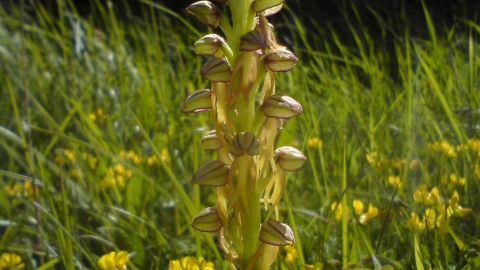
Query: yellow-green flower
pixel 422 195
pixel 443 147
pixel 11 261
pixel 358 207
pixel 415 224
pixel 130 155
pixel 315 143
pixel 398 163
pixel 394 181
pixel 21 189
pixel 339 212
pixel 366 218
pixel 430 219
pixel 291 254
pixel 117 176
pixel 190 263
pixel 114 261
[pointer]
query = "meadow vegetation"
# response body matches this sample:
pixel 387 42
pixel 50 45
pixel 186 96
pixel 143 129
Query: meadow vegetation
pixel 96 156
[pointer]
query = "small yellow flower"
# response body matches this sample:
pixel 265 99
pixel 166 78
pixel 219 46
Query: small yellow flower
pixel 398 163
pixel 190 263
pixel 339 212
pixel 372 157
pixel 422 195
pixel 415 224
pixel 430 219
pixel 114 261
pixel 117 176
pixel 91 160
pixel 152 161
pixel 358 207
pixel 11 261
pixel 394 181
pixel 291 254
pixel 456 208
pixel 366 218
pixel 21 189
pixel 443 147
pixel 165 155
pixel 315 143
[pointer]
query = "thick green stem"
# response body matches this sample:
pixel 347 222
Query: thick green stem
pixel 250 210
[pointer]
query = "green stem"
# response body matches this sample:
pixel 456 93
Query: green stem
pixel 250 210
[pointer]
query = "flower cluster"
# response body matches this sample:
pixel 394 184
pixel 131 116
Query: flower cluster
pixel 117 176
pixel 18 189
pixel 315 143
pixel 11 261
pixel 66 158
pixel 444 148
pixel 114 261
pixel 377 161
pixel 444 210
pixel 246 114
pixel 364 218
pixel 190 263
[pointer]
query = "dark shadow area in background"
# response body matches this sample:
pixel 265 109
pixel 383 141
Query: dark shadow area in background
pixel 321 11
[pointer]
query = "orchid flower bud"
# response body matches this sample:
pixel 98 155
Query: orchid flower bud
pixel 253 41
pixel 206 12
pixel 245 143
pixel 198 101
pixel 208 45
pixel 211 142
pixel 216 70
pixel 281 107
pixel 280 60
pixel 212 173
pixel 208 220
pixel 276 233
pixel 267 7
pixel 289 158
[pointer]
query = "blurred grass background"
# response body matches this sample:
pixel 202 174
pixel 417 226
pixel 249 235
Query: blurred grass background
pixel 89 113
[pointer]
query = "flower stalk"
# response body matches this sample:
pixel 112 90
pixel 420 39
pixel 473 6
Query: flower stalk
pixel 245 112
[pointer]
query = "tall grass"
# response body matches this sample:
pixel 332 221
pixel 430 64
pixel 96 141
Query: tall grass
pixel 99 85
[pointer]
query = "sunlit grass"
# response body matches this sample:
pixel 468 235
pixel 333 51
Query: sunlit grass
pixel 111 156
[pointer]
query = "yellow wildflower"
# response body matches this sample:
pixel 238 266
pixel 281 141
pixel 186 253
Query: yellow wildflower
pixel 165 155
pixel 422 195
pixel 315 143
pixel 21 189
pixel 372 157
pixel 117 175
pixel 398 163
pixel 358 207
pixel 415 224
pixel 11 261
pixel 99 116
pixel 456 208
pixel 394 181
pixel 291 254
pixel 430 219
pixel 130 155
pixel 152 160
pixel 457 180
pixel 91 160
pixel 190 263
pixel 443 147
pixel 366 218
pixel 339 212
pixel 114 261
